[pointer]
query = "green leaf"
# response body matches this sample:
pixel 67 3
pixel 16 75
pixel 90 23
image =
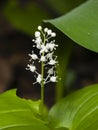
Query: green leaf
pixel 25 18
pixel 19 114
pixel 78 111
pixel 81 24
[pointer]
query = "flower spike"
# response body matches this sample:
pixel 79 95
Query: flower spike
pixel 46 45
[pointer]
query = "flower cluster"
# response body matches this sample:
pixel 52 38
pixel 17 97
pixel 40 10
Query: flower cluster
pixel 46 45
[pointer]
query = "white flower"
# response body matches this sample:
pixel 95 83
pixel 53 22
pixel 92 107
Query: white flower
pixel 53 78
pixel 33 56
pixel 52 62
pixel 39 27
pixel 39 78
pixel 51 46
pixel 33 40
pixel 32 68
pixel 49 55
pixel 38 46
pixel 49 32
pixel 43 49
pixel 50 71
pixel 53 34
pixel 43 58
pixel 38 40
pixel 37 34
pixel 46 29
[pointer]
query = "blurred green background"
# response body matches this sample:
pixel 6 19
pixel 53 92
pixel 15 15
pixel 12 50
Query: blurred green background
pixel 18 21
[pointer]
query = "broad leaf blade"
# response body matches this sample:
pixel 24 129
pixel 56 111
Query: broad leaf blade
pixel 78 111
pixel 81 24
pixel 17 113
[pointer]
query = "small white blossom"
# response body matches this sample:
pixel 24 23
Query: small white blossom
pixel 38 46
pixel 43 49
pixel 37 34
pixel 33 40
pixel 39 28
pixel 49 55
pixel 52 62
pixel 46 29
pixel 43 58
pixel 51 46
pixel 32 68
pixel 53 78
pixel 38 40
pixel 49 32
pixel 33 56
pixel 53 34
pixel 39 78
pixel 50 71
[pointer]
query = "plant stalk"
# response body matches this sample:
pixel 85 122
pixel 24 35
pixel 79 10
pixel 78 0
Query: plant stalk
pixel 42 83
pixel 42 86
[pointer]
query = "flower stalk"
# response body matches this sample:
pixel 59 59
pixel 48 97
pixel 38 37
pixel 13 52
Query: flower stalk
pixel 45 45
pixel 42 83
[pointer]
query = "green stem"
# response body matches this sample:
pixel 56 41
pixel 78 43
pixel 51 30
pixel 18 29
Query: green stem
pixel 42 83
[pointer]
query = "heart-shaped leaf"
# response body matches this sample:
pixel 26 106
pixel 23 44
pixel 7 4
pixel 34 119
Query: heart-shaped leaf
pixel 81 24
pixel 19 114
pixel 78 111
